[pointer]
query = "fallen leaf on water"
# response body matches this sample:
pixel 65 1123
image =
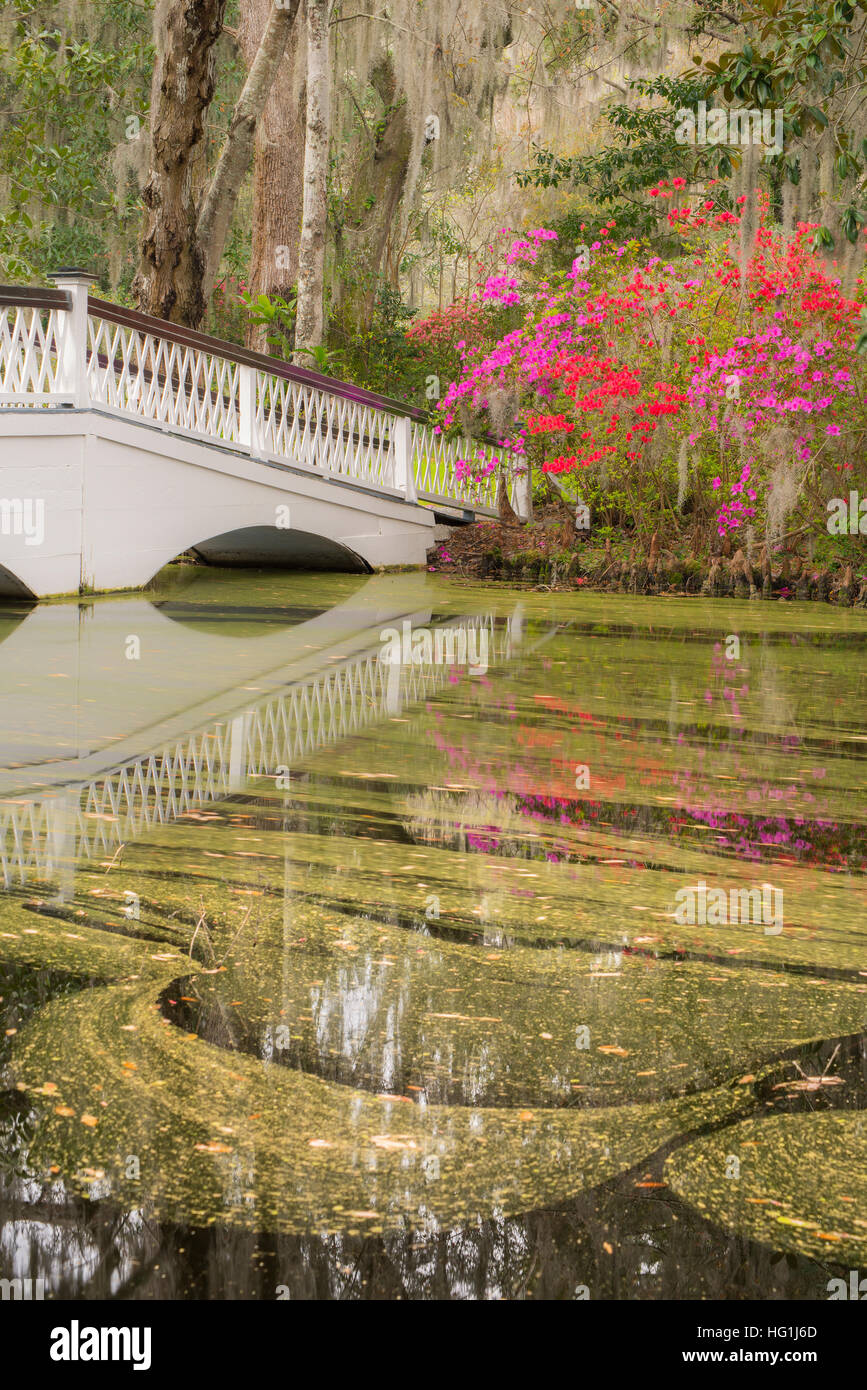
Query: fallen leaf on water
pixel 89 1120
pixel 65 1110
pixel 617 1051
pixel 394 1141
pixel 214 1148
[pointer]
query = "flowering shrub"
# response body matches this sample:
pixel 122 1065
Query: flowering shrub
pixel 700 384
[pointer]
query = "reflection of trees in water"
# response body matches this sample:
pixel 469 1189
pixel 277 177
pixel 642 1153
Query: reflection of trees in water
pixel 617 1242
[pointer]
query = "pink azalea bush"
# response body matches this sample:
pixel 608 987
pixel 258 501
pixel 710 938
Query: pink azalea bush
pixel 666 388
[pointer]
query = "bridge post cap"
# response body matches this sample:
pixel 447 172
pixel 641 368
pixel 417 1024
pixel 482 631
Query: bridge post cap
pixel 67 274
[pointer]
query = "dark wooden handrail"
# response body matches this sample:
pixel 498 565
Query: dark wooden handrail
pixel 32 297
pixel 29 297
pixel 191 337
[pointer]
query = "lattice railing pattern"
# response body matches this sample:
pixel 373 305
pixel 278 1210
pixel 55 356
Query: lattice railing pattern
pixel 29 356
pixel 350 438
pixel 142 374
pixel 205 767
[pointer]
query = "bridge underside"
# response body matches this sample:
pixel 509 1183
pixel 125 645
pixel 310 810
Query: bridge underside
pixel 287 549
pixel 11 587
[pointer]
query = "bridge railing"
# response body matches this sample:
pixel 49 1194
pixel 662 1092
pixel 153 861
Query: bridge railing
pixel 63 347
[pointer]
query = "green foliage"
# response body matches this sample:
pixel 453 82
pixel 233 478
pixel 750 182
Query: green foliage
pixel 808 60
pixel 277 315
pixel 639 147
pixel 65 103
pixel 327 360
pixel 380 357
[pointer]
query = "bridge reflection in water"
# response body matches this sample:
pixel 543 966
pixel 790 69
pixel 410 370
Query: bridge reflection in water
pixel 315 701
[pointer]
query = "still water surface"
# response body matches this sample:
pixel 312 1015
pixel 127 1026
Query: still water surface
pixel 328 976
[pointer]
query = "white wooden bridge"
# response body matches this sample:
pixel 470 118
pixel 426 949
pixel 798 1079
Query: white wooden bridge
pixel 126 441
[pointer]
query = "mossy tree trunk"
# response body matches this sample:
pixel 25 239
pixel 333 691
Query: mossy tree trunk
pixel 371 207
pixel 278 166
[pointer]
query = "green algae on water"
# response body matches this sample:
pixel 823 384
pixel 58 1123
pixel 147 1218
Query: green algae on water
pixel 801 1182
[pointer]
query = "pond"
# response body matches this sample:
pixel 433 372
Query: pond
pixel 387 937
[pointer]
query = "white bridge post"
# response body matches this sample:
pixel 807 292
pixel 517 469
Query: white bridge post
pixel 72 364
pixel 239 752
pixel 404 472
pixel 248 425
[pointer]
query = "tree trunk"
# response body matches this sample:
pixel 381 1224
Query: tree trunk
pixel 278 164
pixel 505 510
pixel 169 278
pixel 310 321
pixel 219 203
pixel 372 203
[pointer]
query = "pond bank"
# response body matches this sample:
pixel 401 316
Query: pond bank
pixel 556 558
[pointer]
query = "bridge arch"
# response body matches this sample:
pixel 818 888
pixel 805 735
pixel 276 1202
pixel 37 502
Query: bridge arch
pixel 269 547
pixel 13 587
